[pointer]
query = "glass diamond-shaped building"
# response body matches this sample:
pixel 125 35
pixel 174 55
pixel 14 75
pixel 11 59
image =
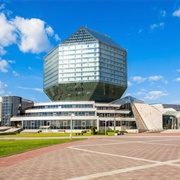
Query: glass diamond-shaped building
pixel 86 66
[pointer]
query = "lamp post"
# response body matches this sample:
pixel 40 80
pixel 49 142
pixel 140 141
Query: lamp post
pixel 114 121
pixel 71 125
pixel 105 126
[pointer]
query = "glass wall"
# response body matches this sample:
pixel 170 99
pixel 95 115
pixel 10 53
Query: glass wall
pixel 55 113
pixel 170 122
pixel 123 124
pixel 62 106
pixel 51 68
pixel 60 124
pixel 79 62
pixel 11 106
pixel 113 65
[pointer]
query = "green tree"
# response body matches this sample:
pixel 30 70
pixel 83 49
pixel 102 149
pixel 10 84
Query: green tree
pixel 93 130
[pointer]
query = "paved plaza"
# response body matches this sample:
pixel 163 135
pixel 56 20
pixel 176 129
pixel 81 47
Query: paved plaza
pixel 154 157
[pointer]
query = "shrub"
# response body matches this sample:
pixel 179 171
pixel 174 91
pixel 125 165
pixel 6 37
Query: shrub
pixel 78 134
pixel 101 133
pixel 93 130
pixel 84 132
pixel 110 130
pixel 123 131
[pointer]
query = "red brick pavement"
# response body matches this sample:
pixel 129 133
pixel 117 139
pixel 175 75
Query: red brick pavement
pixel 14 159
pixel 152 156
pixel 154 134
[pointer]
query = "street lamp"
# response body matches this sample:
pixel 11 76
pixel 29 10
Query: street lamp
pixel 114 121
pixel 72 115
pixel 105 126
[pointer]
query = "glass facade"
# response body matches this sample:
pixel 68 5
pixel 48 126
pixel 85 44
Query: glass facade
pixel 55 113
pixel 51 68
pixel 113 67
pixel 12 106
pixel 127 113
pixel 58 115
pixel 60 124
pixel 86 66
pixel 78 62
pixel 116 116
pixel 98 91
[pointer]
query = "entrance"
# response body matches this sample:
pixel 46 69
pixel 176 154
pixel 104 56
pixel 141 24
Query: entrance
pixel 170 122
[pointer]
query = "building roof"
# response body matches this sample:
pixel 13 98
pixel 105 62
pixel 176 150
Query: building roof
pixel 127 99
pixel 172 113
pixel 84 34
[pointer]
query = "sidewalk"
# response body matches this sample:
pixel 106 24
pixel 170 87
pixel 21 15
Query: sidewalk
pixel 119 157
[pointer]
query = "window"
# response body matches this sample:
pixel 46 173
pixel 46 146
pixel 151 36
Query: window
pixel 64 123
pixel 83 123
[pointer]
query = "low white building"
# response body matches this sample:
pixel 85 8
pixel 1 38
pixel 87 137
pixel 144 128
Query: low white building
pixel 127 113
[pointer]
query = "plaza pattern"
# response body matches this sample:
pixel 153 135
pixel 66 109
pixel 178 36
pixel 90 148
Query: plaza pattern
pixel 119 157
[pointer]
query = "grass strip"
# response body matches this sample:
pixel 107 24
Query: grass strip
pixel 10 147
pixel 45 135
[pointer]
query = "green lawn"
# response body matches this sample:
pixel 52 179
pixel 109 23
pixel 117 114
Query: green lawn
pixel 45 135
pixel 41 135
pixel 111 133
pixel 52 135
pixel 9 147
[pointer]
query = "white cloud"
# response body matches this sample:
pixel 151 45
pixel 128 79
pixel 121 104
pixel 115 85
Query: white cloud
pixel 178 70
pixel 129 84
pixel 163 13
pixel 34 38
pixel 30 68
pixel 144 90
pixel 177 79
pixel 2 6
pixel 138 79
pixel 56 37
pixel 139 93
pixel 152 95
pixel 155 26
pixel 176 13
pixel 7 35
pixel 15 73
pixel 31 35
pixel 2 51
pixel 49 31
pixel 38 89
pixel 155 78
pixel 11 61
pixel 2 86
pixel 34 89
pixel 165 81
pixel 4 66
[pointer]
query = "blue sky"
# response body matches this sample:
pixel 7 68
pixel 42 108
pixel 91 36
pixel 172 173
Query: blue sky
pixel 148 29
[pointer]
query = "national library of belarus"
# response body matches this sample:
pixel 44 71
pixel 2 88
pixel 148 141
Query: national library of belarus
pixel 85 77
